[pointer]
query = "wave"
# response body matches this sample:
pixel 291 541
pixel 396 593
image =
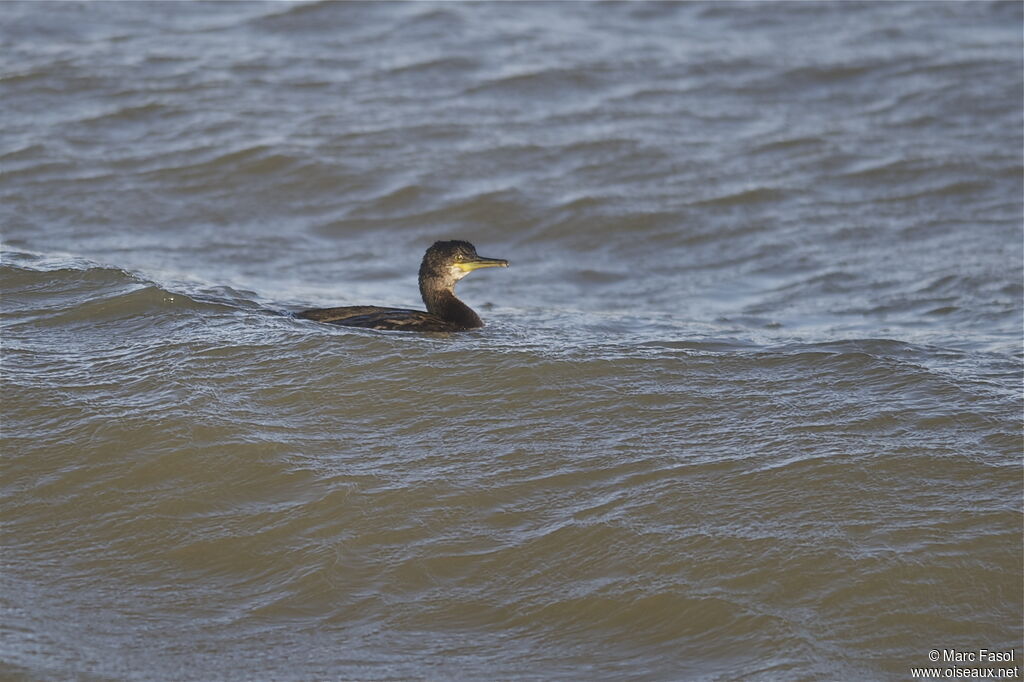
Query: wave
pixel 320 16
pixel 52 290
pixel 753 195
pixel 554 81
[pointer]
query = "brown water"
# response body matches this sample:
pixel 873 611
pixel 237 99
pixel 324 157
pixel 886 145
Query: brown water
pixel 748 402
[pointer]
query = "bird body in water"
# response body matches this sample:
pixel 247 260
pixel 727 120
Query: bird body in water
pixel 444 264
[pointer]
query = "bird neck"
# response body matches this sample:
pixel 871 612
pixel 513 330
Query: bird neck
pixel 441 301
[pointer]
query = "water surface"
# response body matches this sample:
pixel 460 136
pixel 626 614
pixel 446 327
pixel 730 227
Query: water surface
pixel 748 400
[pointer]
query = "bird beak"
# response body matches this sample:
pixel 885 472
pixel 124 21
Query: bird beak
pixel 481 262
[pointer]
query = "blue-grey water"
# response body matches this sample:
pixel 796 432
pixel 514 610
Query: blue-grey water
pixel 747 405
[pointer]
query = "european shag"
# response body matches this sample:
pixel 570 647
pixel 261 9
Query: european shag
pixel 444 264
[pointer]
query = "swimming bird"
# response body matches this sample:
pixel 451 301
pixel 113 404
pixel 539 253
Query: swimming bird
pixel 444 264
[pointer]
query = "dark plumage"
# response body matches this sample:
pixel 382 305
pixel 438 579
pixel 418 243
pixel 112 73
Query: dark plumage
pixel 444 264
